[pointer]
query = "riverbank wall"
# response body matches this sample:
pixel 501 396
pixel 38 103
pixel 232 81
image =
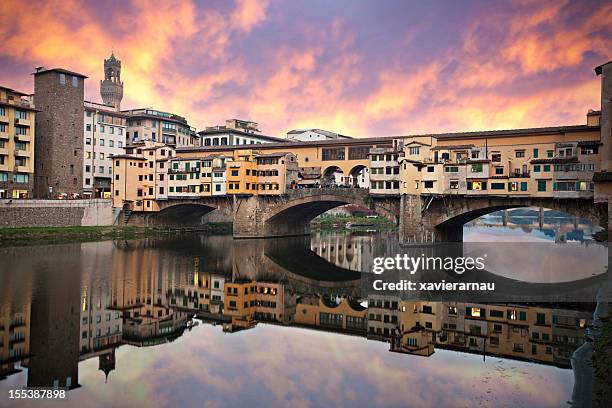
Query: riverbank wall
pixel 56 213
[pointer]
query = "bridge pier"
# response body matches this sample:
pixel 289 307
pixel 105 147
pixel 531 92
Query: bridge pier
pixel 419 220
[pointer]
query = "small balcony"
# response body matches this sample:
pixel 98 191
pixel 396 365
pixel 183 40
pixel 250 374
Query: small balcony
pixel 23 153
pixel 22 138
pixel 521 174
pixel 22 122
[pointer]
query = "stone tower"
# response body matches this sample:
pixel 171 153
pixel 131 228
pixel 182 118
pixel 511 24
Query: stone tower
pixel 58 157
pixel 111 88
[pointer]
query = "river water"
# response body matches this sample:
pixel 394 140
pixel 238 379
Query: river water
pixel 165 322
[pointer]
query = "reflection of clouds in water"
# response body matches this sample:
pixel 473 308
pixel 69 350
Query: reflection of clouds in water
pixel 280 366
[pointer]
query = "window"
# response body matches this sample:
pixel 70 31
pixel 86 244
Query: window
pixel 428 184
pixel 454 184
pixel 414 151
pixel 358 153
pixel 101 142
pixel 547 167
pixel 519 153
pixel 476 185
pixel 430 169
pixel 550 153
pixel 541 185
pixel 234 173
pixel 523 186
pixel 111 143
pixel 451 169
pixel 88 127
pixel 535 153
pixel 75 81
pixel 496 157
pixel 513 186
pixel 333 153
pixel 101 128
pixel 21 114
pixel 536 168
pixel 476 167
pixel 62 79
pixel 498 186
pixel 499 170
pixel 20 178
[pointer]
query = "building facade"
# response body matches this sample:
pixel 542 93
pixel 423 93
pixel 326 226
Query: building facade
pixel 58 164
pixel 157 126
pixel 235 132
pixel 17 140
pixel 104 137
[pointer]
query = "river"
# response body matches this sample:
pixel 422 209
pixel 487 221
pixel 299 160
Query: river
pixel 194 320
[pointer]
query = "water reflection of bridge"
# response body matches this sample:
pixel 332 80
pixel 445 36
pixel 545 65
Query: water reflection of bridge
pixel 144 292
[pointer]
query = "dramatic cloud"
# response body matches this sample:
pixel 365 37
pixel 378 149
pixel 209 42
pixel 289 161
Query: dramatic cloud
pixel 360 68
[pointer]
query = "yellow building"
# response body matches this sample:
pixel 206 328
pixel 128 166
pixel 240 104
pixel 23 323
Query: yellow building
pixel 242 173
pixel 140 176
pixel 14 336
pixel 544 162
pixel 251 301
pixel 17 124
pixel 320 312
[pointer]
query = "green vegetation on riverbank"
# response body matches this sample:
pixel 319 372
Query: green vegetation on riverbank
pixel 337 221
pixel 56 235
pixel 602 361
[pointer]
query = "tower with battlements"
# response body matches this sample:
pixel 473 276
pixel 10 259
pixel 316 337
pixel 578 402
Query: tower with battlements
pixel 111 88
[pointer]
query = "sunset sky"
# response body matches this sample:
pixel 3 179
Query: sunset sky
pixel 363 68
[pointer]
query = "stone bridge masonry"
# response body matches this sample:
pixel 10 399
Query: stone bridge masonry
pixel 421 219
pixel 290 214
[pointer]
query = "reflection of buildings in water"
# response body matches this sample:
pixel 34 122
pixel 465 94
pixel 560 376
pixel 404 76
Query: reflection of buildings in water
pixel 350 252
pixel 145 296
pixel 14 336
pixel 197 290
pixel 345 315
pixel 534 333
pixel 139 283
pixel 251 301
pixel 101 328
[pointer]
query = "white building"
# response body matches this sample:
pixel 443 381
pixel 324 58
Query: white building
pixel 314 135
pixel 219 176
pixel 104 136
pixel 235 132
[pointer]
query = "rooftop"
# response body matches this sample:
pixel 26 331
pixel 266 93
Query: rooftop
pixel 387 140
pixel 153 113
pixel 599 69
pixel 41 70
pixel 217 130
